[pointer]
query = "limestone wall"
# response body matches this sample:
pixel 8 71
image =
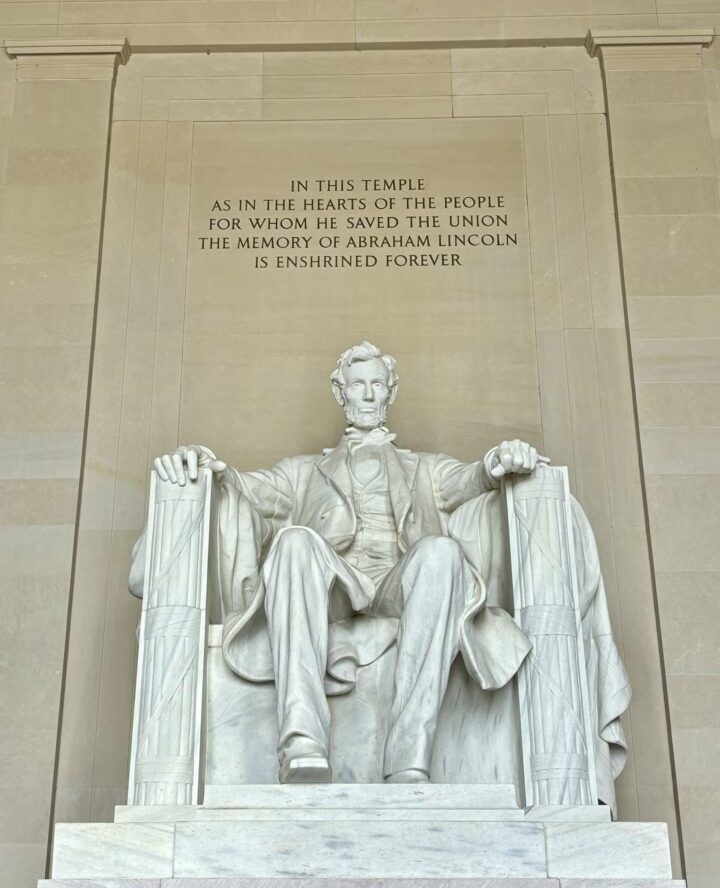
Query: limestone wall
pixel 342 24
pixel 549 358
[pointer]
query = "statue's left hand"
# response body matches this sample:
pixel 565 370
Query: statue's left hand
pixel 514 458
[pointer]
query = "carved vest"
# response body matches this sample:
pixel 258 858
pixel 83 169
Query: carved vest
pixel 375 548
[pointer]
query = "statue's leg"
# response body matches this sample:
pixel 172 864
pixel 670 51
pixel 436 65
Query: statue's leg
pixel 298 578
pixel 427 591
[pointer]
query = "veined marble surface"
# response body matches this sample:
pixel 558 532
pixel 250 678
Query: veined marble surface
pixel 103 883
pixel 609 850
pixel 311 808
pixel 361 883
pixel 117 850
pixel 108 883
pixel 343 796
pixel 465 850
pixel 361 845
pixel 569 813
pixel 602 883
pixel 332 815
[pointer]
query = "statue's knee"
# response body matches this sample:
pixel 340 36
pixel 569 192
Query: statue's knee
pixel 289 568
pixel 295 540
pixel 440 550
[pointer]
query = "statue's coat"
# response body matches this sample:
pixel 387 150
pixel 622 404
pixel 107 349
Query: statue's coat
pixel 316 492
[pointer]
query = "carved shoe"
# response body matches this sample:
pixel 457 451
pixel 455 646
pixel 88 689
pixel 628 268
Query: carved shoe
pixel 304 761
pixel 411 775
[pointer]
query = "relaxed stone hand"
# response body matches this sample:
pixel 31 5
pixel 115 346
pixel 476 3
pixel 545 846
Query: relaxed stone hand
pixel 182 464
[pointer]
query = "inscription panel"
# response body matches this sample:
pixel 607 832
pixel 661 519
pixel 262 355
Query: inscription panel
pixel 306 236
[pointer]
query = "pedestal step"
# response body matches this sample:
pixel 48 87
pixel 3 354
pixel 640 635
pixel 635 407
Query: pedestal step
pixel 361 883
pixel 337 802
pixel 362 847
pixel 363 795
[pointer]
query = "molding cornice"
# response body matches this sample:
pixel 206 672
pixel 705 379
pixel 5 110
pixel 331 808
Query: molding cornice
pixel 696 37
pixel 117 49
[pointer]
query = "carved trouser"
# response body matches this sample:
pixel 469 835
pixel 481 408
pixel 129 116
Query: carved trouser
pixel 425 590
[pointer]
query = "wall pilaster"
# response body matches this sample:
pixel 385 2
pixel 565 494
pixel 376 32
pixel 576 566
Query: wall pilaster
pixel 50 239
pixel 659 85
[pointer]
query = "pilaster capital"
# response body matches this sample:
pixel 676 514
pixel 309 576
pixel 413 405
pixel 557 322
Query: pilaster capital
pixel 638 39
pixel 65 46
pixel 51 58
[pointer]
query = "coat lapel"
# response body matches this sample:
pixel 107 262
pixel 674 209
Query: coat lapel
pixel 402 468
pixel 334 466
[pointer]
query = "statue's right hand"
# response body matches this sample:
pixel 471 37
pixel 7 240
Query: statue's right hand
pixel 182 464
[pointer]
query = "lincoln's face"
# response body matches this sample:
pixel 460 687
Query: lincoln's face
pixel 367 393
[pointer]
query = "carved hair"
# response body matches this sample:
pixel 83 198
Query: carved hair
pixel 366 351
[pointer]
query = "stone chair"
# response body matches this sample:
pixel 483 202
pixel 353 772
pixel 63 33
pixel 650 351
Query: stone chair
pixel 201 729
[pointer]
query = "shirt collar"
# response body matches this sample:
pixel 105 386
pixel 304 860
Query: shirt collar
pixel 377 437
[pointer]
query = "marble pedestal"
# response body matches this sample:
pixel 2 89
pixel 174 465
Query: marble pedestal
pixel 360 832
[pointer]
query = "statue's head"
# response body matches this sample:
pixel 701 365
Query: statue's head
pixel 365 385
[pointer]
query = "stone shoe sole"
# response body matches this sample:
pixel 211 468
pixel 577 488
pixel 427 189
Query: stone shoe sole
pixel 306 769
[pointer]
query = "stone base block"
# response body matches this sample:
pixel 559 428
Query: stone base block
pixel 387 849
pixel 351 833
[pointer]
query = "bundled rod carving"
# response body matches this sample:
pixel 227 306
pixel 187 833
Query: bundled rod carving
pixel 557 746
pixel 167 726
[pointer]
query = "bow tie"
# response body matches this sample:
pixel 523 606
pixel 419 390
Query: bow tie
pixel 376 437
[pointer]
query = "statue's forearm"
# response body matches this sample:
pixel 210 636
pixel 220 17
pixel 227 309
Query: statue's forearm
pixel 266 490
pixel 487 480
pixel 456 482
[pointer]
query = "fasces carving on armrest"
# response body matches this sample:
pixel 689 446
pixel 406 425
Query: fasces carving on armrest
pixel 557 737
pixel 165 757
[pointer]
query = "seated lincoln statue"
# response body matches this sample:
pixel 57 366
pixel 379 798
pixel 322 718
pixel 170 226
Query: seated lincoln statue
pixel 325 561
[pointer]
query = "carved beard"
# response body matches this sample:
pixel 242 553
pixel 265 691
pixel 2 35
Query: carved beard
pixel 356 417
